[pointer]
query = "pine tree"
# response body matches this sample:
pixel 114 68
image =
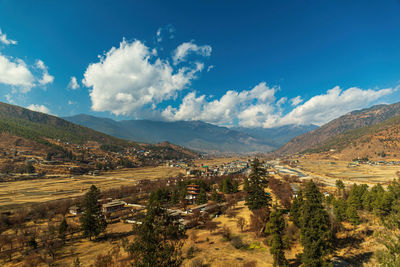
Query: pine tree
pixel 295 210
pixel 62 230
pixel 315 234
pixel 339 186
pixel 201 197
pixel 92 220
pixel 256 197
pixel 339 209
pixel 351 214
pixel 158 240
pixel 276 228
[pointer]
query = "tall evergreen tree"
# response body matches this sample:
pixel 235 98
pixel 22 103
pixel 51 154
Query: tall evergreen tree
pixel 158 240
pixel 276 228
pixel 295 210
pixel 201 197
pixel 340 186
pixel 315 234
pixel 62 230
pixel 92 220
pixel 256 197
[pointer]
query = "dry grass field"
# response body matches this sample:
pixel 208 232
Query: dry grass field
pixel 22 193
pixel 218 161
pixel 333 170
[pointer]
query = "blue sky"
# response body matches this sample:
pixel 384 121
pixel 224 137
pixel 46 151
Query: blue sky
pixel 248 63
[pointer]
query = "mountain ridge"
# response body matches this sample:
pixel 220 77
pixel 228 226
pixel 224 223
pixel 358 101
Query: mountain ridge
pixel 196 135
pixel 352 120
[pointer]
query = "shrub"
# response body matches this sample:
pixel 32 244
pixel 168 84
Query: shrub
pixel 237 242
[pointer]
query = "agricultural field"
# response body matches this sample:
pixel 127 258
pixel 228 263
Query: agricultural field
pixel 363 173
pixel 22 193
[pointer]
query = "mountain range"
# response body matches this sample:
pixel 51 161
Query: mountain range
pixel 196 135
pixel 38 131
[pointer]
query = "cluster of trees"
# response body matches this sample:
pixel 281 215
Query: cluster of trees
pixel 158 240
pixel 360 197
pixel 177 194
pixel 382 203
pixel 9 167
pixel 309 214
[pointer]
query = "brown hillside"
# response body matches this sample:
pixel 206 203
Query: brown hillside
pixel 377 142
pixel 352 120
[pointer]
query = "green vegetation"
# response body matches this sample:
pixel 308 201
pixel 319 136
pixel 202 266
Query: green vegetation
pixel 315 233
pixel 92 219
pixel 229 187
pixel 256 197
pixel 158 240
pixel 276 228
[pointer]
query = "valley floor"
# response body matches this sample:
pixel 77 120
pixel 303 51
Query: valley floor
pixel 21 194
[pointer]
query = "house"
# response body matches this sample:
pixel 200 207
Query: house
pixel 113 206
pixel 75 210
pixel 193 190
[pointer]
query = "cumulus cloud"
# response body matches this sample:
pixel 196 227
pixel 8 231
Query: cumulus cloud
pixel 296 100
pixel 73 83
pixel 15 72
pixel 248 107
pixel 129 77
pixel 183 50
pixel 46 77
pixel 4 40
pixel 334 103
pixel 39 108
pixel 259 107
pixel 210 68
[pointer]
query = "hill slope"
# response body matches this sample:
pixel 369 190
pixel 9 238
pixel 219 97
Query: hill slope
pixel 350 121
pixel 38 126
pixel 277 136
pixel 195 135
pixel 380 141
pixel 39 129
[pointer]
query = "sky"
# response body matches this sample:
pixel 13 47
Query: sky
pixel 230 63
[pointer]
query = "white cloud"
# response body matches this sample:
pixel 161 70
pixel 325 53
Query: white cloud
pixel 258 107
pixel 15 72
pixel 296 100
pixel 129 78
pixel 326 107
pixel 46 77
pixel 248 107
pixel 4 40
pixel 39 108
pixel 71 102
pixel 185 49
pixel 73 83
pixel 210 68
pixel 167 30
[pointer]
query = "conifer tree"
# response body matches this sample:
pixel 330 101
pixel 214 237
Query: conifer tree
pixel 295 210
pixel 201 197
pixel 62 230
pixel 276 228
pixel 340 186
pixel 92 220
pixel 158 239
pixel 256 197
pixel 315 234
pixel 351 214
